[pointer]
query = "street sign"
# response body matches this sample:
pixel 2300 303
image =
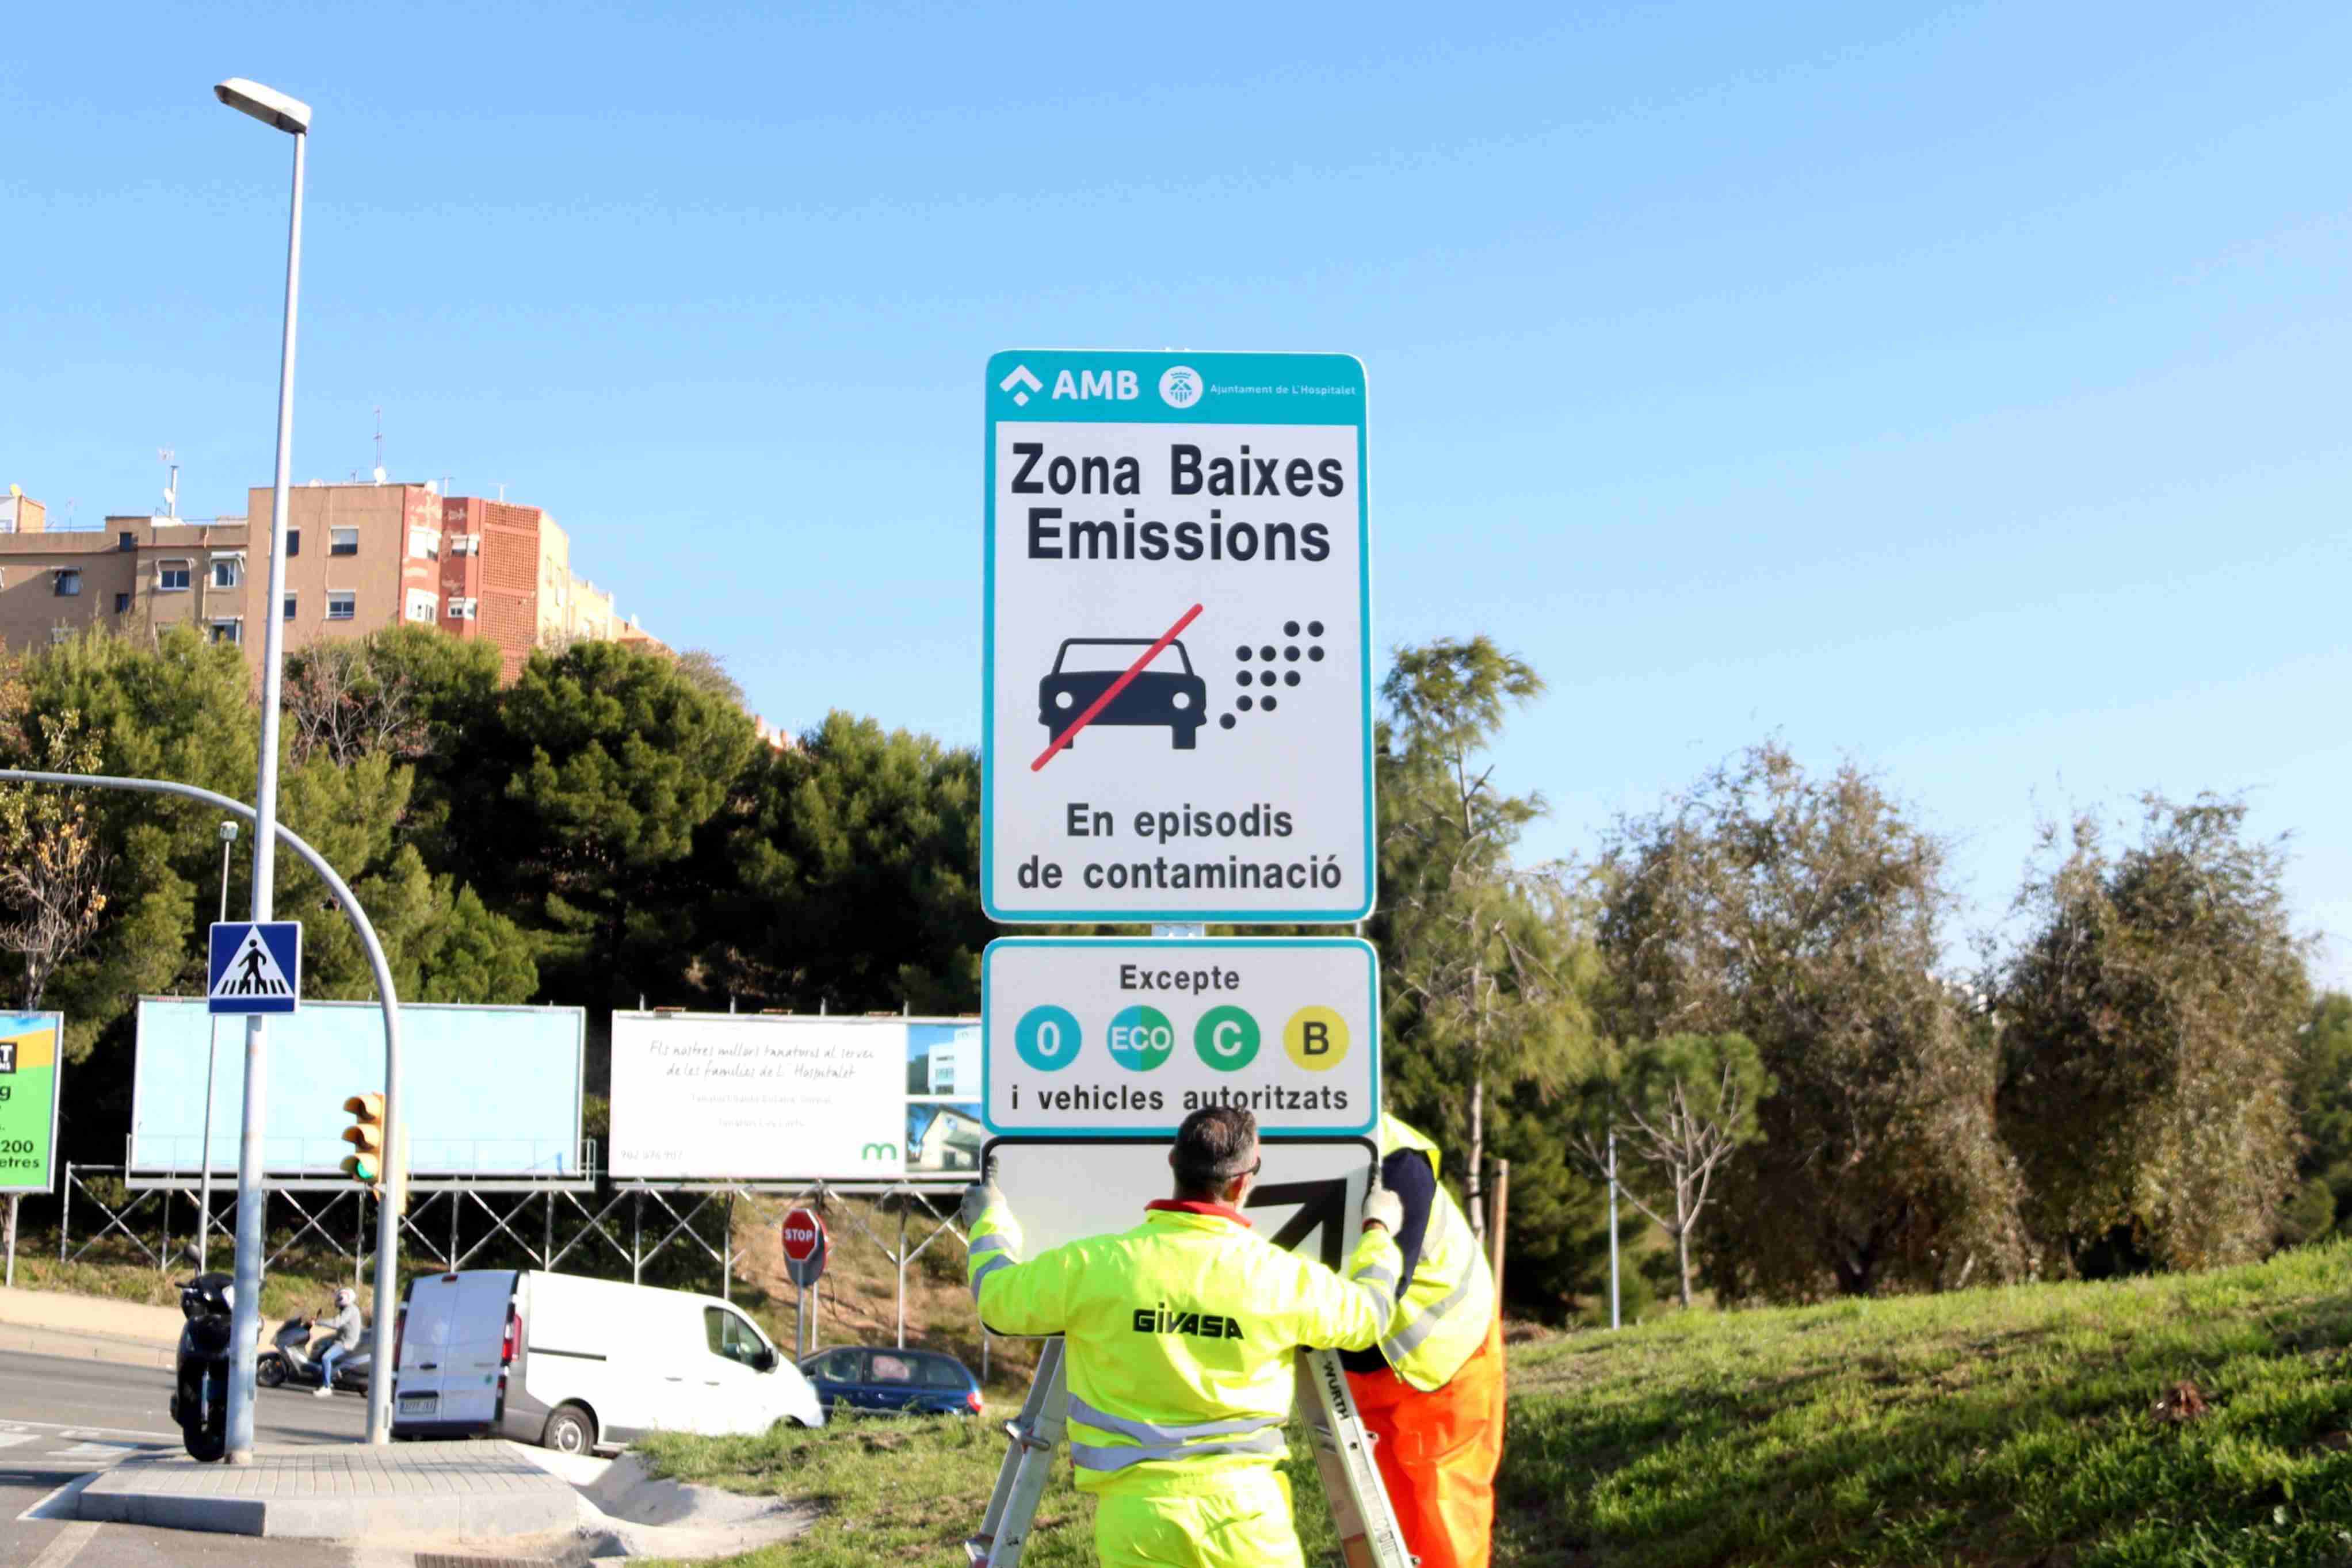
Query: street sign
pixel 1123 1036
pixel 1177 709
pixel 804 1247
pixel 32 1056
pixel 1310 1196
pixel 257 966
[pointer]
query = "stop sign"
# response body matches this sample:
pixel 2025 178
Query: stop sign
pixel 803 1246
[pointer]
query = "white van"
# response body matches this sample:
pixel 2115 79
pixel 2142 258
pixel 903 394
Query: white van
pixel 580 1365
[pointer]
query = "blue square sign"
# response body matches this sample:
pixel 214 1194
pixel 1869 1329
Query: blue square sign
pixel 257 966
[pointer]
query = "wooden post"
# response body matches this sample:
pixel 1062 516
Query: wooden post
pixel 1496 1228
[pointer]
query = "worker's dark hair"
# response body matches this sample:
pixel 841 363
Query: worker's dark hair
pixel 1213 1147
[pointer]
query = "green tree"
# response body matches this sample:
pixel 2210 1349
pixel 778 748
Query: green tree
pixel 587 798
pixel 179 708
pixel 1479 960
pixel 1681 1107
pixel 2322 1096
pixel 52 869
pixel 857 873
pixel 2149 1021
pixel 1807 914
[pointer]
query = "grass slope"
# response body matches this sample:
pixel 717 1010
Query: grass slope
pixel 2043 1426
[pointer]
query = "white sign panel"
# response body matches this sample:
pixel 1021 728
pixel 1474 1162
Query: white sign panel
pixel 722 1097
pixel 1125 1038
pixel 1178 713
pixel 1309 1196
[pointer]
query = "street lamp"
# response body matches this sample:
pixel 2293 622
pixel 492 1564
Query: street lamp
pixel 212 1062
pixel 292 116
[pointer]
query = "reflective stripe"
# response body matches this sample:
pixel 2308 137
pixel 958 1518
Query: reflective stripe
pixel 1425 1324
pixel 983 1245
pixel 1158 1432
pixel 984 1270
pixel 1088 1457
pixel 1383 1278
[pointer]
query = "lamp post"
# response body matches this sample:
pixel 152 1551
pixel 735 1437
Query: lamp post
pixel 290 115
pixel 212 1065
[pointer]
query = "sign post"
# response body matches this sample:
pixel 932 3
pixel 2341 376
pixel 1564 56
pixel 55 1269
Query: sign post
pixel 1177 728
pixel 805 1254
pixel 32 1058
pixel 1177 704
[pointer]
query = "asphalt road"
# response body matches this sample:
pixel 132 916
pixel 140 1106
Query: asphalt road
pixel 61 1419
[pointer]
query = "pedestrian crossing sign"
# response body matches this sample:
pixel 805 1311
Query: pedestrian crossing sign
pixel 257 966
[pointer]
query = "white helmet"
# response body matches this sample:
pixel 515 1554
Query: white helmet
pixel 346 1296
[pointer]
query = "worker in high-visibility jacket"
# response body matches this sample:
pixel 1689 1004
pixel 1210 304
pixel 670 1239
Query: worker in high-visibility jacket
pixel 1433 1392
pixel 1179 1340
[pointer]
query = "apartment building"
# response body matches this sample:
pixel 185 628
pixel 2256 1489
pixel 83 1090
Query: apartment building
pixel 357 558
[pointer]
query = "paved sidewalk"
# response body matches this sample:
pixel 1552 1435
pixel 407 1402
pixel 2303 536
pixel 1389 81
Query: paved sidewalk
pixel 349 1490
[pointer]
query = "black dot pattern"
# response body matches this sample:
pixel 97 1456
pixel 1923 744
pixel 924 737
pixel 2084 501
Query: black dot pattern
pixel 1266 703
pixel 1225 721
pixel 1315 628
pixel 1243 653
pixel 1290 677
pixel 1290 628
pixel 1244 704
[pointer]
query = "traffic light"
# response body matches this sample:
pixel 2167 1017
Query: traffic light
pixel 365 1163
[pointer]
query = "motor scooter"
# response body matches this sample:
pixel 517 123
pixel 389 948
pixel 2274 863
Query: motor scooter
pixel 292 1362
pixel 200 1390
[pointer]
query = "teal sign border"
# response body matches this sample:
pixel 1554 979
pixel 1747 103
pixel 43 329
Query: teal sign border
pixel 1169 945
pixel 1266 406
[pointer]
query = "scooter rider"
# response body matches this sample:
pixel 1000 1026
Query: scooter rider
pixel 349 1330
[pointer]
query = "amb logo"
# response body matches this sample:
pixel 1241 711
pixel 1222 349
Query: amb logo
pixel 878 1152
pixel 1200 1325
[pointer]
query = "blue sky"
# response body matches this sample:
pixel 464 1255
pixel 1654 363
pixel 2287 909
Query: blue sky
pixel 1956 390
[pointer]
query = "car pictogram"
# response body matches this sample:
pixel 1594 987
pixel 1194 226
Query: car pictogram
pixel 1085 667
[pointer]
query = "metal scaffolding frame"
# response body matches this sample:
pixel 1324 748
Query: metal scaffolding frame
pixel 438 1236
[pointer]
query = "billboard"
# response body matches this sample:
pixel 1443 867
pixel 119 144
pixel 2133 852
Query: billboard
pixel 489 1092
pixel 32 1056
pixel 760 1097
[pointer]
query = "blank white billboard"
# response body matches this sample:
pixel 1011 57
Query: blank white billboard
pixel 488 1092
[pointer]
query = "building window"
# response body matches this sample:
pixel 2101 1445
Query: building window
pixel 172 576
pixel 65 583
pixel 290 607
pixel 423 605
pixel 231 631
pixel 425 543
pixel 341 606
pixel 126 540
pixel 122 604
pixel 462 610
pixel 464 544
pixel 293 543
pixel 342 541
pixel 225 572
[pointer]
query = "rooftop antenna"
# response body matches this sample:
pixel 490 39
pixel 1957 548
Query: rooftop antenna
pixel 502 494
pixel 171 491
pixel 379 445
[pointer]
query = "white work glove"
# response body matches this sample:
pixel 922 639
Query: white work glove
pixel 978 1198
pixel 1383 1208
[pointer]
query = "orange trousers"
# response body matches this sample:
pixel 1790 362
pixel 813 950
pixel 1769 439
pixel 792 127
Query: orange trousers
pixel 1438 1453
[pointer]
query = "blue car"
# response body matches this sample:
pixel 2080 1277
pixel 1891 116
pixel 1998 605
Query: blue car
pixel 910 1382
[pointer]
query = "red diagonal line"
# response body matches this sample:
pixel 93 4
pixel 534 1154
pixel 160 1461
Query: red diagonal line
pixel 1113 690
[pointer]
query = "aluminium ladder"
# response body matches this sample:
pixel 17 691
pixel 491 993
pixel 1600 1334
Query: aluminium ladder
pixel 1369 1535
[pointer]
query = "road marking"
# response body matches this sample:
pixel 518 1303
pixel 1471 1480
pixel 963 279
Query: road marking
pixel 1116 687
pixel 10 1439
pixel 67 1546
pixel 82 1430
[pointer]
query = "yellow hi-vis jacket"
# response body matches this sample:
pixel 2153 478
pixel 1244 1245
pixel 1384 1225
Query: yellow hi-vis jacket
pixel 1447 1305
pixel 1179 1336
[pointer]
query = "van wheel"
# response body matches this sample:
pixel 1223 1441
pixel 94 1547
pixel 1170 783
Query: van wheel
pixel 570 1430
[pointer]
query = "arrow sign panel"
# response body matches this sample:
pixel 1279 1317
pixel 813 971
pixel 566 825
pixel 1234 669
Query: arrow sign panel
pixel 257 966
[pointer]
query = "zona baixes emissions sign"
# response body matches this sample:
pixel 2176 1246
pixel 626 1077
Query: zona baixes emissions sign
pixel 1177 708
